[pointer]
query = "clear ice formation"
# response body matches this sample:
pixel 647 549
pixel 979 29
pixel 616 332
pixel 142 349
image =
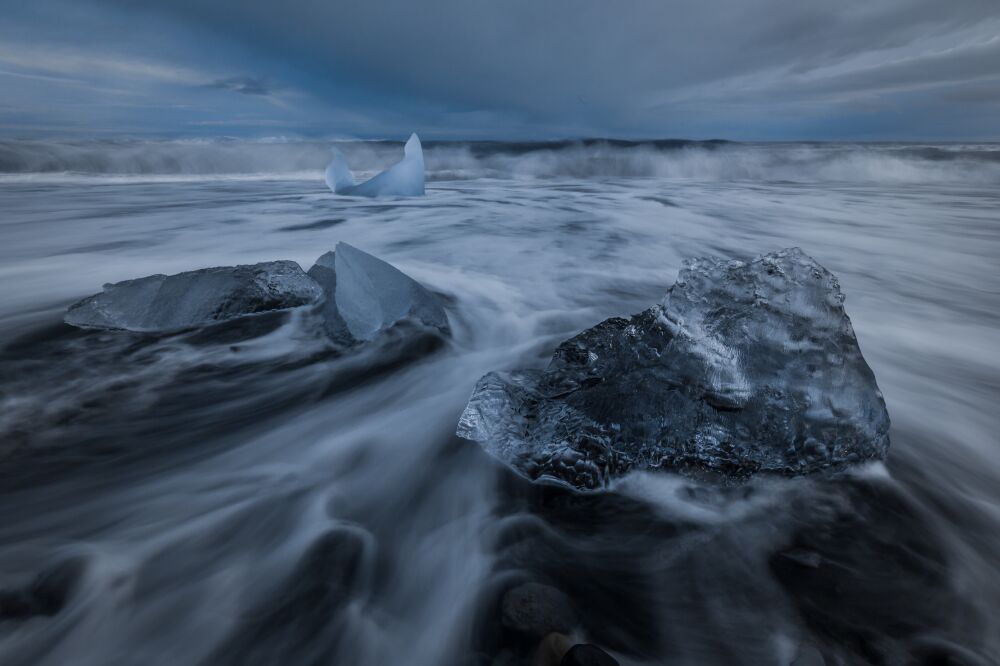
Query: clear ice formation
pixel 744 367
pixel 160 303
pixel 365 296
pixel 403 179
pixel 357 295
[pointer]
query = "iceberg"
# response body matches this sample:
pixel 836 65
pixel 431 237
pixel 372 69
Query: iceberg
pixel 365 296
pixel 403 179
pixel 161 303
pixel 357 295
pixel 743 368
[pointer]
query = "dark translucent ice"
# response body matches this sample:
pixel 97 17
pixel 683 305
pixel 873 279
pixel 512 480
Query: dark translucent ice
pixel 744 367
pixel 360 296
pixel 195 298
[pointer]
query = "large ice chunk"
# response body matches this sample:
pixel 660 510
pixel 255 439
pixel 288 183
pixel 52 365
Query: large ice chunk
pixel 195 298
pixel 744 367
pixel 403 179
pixel 365 296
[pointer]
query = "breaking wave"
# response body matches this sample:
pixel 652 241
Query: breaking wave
pixel 973 164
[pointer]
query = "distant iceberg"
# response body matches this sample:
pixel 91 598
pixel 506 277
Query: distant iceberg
pixel 403 179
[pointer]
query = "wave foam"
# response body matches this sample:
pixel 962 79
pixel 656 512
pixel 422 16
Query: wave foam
pixel 975 164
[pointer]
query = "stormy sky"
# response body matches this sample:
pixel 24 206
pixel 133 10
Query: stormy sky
pixel 533 69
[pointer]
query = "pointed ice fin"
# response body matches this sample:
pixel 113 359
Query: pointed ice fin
pixel 366 296
pixel 338 175
pixel 413 148
pixel 403 179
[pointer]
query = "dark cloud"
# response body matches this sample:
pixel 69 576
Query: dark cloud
pixel 728 68
pixel 242 84
pixel 986 93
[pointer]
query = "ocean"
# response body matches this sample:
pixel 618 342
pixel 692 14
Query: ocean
pixel 245 496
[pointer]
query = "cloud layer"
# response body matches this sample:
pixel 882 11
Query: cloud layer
pixel 741 69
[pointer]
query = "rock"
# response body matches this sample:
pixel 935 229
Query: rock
pixel 537 610
pixel 365 296
pixel 308 618
pixel 161 303
pixel 551 649
pixel 586 654
pixel 506 658
pixel 47 594
pixel 864 569
pixel 744 367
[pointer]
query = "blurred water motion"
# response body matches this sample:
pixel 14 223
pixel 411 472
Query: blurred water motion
pixel 243 496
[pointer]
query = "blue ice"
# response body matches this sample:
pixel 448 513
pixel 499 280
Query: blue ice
pixel 403 179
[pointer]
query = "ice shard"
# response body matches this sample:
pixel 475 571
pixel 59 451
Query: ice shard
pixel 365 296
pixel 403 179
pixel 743 368
pixel 159 303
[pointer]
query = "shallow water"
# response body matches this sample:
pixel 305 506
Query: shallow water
pixel 248 496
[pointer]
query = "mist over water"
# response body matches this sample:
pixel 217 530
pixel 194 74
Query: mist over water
pixel 871 163
pixel 249 496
